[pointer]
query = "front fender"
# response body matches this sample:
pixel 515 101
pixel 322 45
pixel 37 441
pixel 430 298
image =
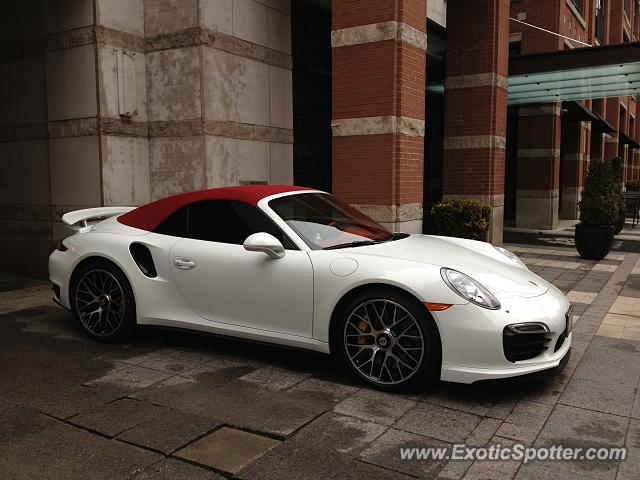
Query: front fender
pixel 422 281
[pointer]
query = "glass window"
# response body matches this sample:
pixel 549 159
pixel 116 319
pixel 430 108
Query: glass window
pixel 323 221
pixel 600 20
pixel 226 221
pixel 175 224
pixel 579 4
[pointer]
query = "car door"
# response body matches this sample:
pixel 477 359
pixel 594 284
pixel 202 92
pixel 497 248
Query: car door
pixel 225 283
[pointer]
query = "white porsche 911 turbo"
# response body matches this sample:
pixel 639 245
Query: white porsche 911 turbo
pixel 297 267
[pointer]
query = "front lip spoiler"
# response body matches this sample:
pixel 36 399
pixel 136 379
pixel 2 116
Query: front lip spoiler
pixel 531 377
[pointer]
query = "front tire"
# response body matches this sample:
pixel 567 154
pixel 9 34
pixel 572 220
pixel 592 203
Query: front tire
pixel 103 302
pixel 388 339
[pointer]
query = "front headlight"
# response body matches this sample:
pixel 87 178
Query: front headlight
pixel 510 255
pixel 469 289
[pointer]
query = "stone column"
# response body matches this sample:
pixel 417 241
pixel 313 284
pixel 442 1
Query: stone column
pixel 72 109
pixel 122 102
pixel 538 167
pixel 378 80
pixel 613 117
pixel 597 139
pixel 574 160
pixel 476 104
pixel 220 98
pixel 25 192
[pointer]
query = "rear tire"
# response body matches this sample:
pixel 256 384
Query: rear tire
pixel 102 300
pixel 388 339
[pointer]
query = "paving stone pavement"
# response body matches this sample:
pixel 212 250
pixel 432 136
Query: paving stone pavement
pixel 181 405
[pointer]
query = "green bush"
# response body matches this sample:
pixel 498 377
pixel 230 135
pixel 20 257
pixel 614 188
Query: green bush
pixel 632 186
pixel 459 218
pixel 600 204
pixel 617 165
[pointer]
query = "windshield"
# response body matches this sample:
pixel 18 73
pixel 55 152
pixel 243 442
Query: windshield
pixel 323 221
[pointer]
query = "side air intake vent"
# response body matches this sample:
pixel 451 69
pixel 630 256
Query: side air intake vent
pixel 142 256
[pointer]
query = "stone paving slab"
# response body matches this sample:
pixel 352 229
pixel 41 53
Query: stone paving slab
pixel 598 396
pixel 626 305
pixel 483 470
pixel 228 449
pixel 130 377
pixel 238 403
pixel 314 387
pixel 274 378
pixel 374 406
pixel 478 401
pixel 620 326
pixel 64 451
pixel 168 432
pixel 577 427
pixel 218 371
pixel 630 468
pixel 437 422
pixel 61 400
pixel 143 401
pixel 118 416
pixel 169 360
pixel 17 420
pixel 606 378
pixel 326 448
pixel 385 452
pixel 171 469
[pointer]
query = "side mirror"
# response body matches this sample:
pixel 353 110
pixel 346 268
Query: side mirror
pixel 266 243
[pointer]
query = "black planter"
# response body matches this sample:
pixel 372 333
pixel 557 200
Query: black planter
pixel 621 219
pixel 594 241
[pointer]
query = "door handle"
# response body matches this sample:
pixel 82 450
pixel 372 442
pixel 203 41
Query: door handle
pixel 183 263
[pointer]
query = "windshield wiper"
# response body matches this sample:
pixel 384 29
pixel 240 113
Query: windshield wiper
pixel 353 244
pixel 360 243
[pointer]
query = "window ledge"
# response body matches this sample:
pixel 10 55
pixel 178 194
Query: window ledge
pixel 577 14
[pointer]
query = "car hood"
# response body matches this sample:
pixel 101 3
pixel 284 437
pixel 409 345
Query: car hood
pixel 479 260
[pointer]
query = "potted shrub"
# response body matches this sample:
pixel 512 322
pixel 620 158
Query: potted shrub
pixel 617 164
pixel 459 218
pixel 599 211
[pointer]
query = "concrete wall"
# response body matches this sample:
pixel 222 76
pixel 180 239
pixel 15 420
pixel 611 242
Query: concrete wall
pixel 117 102
pixel 124 144
pixel 49 140
pixel 220 99
pixel 25 192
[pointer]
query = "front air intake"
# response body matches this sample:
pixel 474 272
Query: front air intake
pixel 523 341
pixel 568 318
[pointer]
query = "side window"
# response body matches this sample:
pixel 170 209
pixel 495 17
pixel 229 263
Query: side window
pixel 257 221
pixel 215 221
pixel 175 224
pixel 230 222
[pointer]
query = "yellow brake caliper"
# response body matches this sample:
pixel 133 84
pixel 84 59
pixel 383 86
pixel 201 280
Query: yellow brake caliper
pixel 364 327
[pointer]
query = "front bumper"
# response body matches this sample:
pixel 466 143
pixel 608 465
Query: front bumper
pixel 472 337
pixel 59 276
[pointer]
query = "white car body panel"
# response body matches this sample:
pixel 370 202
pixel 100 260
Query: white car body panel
pixel 249 289
pixel 291 300
pixel 81 216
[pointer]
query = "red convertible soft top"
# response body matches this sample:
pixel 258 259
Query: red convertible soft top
pixel 149 216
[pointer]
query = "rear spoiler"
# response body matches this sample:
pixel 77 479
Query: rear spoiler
pixel 77 219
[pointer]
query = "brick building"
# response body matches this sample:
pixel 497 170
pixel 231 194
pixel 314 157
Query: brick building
pixel 392 105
